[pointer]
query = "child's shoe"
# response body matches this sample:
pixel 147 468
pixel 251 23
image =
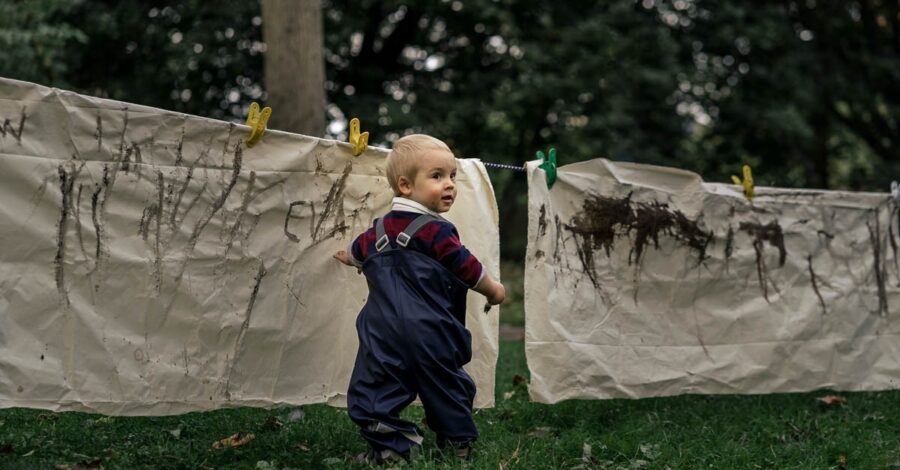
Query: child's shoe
pixel 385 457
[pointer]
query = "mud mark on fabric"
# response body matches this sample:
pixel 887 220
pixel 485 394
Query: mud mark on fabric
pixel 132 155
pixel 97 199
pixel 761 234
pixel 98 134
pixel 78 231
pixel 603 219
pixel 239 342
pixel 729 246
pixel 815 284
pixel 16 131
pixel 334 205
pixel 66 183
pixel 288 216
pixel 363 206
pixel 157 250
pixel 236 226
pixel 223 196
pixel 894 214
pixel 179 155
pixel 185 359
pixel 173 215
pixel 294 294
pixel 542 221
pixel 875 238
pixel 204 220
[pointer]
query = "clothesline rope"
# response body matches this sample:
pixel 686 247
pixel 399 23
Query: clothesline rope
pixel 503 166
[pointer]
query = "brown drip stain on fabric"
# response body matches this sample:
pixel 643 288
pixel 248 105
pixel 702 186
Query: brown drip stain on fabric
pixel 334 204
pixel 542 221
pixel 603 219
pixel 895 213
pixel 815 284
pixel 880 274
pixel 257 280
pixel 773 234
pixel 179 155
pixel 66 183
pixel 99 133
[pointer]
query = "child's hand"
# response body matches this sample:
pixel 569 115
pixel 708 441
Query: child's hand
pixel 498 295
pixel 343 257
pixel 493 290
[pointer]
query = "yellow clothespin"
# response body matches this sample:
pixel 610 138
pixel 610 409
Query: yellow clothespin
pixel 357 140
pixel 257 122
pixel 747 183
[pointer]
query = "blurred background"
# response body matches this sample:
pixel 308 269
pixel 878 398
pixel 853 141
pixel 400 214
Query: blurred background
pixel 806 92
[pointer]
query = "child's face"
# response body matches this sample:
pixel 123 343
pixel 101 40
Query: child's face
pixel 435 183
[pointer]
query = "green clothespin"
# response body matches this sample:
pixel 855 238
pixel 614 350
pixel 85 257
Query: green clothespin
pixel 548 165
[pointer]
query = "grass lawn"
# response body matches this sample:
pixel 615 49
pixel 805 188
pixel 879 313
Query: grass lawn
pixel 772 431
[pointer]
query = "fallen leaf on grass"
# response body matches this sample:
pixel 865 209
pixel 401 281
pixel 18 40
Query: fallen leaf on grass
pixel 540 431
pixel 650 451
pixel 175 432
pixel 273 423
pixel 514 458
pixel 832 400
pixel 235 440
pixel 519 380
pixel 295 415
pixel 842 462
pixel 92 464
pixel 508 395
pixel 303 447
pixel 29 453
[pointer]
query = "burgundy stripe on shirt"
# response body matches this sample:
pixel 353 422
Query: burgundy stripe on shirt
pixel 438 239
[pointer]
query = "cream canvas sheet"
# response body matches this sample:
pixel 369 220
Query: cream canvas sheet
pixel 644 281
pixel 151 264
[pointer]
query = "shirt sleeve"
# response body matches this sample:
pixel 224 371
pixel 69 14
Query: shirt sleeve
pixel 358 249
pixel 450 252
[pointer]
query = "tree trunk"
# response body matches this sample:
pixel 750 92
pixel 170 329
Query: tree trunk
pixel 294 65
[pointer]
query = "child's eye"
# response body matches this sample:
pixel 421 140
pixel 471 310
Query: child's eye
pixel 453 176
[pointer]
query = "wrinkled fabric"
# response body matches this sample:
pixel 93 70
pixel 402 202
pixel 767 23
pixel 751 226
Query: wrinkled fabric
pixel 152 264
pixel 643 281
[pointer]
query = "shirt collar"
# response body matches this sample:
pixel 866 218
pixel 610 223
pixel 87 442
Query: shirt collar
pixel 408 205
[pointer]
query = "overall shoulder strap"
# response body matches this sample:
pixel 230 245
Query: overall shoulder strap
pixel 381 238
pixel 406 235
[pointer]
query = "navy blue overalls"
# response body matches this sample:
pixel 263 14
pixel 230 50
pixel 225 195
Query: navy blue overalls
pixel 412 340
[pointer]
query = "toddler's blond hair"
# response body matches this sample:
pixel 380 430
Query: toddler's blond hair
pixel 403 159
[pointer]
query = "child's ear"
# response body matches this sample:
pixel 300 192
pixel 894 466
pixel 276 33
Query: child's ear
pixel 405 186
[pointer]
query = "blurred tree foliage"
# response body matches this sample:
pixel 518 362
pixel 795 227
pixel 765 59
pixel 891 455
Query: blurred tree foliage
pixel 804 91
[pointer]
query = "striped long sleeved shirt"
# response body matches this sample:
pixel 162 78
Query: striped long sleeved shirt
pixel 439 240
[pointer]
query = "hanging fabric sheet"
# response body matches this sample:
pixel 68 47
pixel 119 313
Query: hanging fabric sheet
pixel 151 264
pixel 644 281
